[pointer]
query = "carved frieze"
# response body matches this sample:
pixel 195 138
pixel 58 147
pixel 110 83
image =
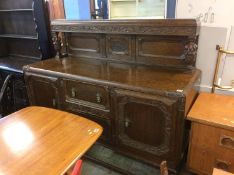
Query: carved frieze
pixel 125 29
pixel 171 43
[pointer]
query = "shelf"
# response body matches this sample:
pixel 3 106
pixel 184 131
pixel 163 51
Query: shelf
pixel 14 36
pixel 15 64
pixel 16 10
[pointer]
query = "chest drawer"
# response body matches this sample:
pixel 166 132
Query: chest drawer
pixel 211 147
pixel 86 94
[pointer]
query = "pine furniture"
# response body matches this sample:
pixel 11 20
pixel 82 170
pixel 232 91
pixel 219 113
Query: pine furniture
pixel 220 172
pixel 212 134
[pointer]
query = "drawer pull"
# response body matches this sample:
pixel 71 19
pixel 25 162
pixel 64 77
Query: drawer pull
pixel 73 92
pixel 98 98
pixel 227 141
pixel 54 102
pixel 127 123
pixel 222 164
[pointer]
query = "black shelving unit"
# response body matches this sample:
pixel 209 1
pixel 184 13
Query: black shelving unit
pixel 24 39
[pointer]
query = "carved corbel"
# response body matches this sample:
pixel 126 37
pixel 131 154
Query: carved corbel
pixel 190 51
pixel 57 41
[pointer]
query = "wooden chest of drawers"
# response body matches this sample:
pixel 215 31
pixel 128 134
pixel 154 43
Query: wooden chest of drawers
pixel 212 134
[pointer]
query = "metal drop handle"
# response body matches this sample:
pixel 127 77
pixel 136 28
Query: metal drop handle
pixel 73 92
pixel 98 98
pixel 54 102
pixel 127 123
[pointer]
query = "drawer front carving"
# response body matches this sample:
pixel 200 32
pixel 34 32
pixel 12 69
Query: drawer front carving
pixel 120 47
pixel 144 122
pixel 209 150
pixel 75 106
pixel 86 94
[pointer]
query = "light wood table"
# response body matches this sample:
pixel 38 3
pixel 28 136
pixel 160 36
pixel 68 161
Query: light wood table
pixel 37 140
pixel 212 134
pixel 220 172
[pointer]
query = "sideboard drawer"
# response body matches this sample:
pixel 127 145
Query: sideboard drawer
pixel 86 94
pixel 211 147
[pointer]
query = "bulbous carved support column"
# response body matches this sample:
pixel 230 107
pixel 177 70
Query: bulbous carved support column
pixel 57 41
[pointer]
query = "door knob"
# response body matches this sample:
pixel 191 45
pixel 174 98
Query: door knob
pixel 127 123
pixel 98 98
pixel 73 92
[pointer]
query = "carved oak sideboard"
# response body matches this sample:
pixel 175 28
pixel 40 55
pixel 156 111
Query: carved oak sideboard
pixel 136 78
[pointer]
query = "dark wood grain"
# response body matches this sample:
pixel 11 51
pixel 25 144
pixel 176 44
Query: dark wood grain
pixel 171 43
pixel 24 39
pixel 181 27
pixel 12 4
pixel 120 47
pixel 151 98
pixel 136 78
pixel 152 78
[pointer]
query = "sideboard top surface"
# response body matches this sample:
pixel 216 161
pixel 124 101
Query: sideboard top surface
pixel 162 79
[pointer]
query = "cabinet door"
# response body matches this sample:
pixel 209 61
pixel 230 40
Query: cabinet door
pixel 42 90
pixel 144 123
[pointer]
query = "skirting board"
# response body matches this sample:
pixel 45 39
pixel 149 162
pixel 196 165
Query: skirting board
pixel 204 88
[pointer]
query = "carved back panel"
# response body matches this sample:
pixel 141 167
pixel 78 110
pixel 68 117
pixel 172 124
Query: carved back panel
pixel 166 42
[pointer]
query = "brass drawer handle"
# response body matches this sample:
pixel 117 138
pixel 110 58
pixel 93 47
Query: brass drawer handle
pixel 98 98
pixel 227 141
pixel 224 165
pixel 73 92
pixel 127 123
pixel 54 102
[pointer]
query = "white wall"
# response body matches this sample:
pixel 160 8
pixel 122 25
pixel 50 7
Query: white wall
pixel 219 31
pixel 207 54
pixel 223 10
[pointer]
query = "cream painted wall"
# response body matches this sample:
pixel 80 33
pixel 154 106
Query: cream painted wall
pixel 212 33
pixel 207 54
pixel 223 10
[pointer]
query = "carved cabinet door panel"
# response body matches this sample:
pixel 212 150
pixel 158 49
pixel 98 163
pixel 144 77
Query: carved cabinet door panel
pixel 120 47
pixel 162 50
pixel 144 123
pixel 42 90
pixel 88 45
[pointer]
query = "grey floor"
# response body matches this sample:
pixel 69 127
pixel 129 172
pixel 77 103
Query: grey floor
pixel 131 165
